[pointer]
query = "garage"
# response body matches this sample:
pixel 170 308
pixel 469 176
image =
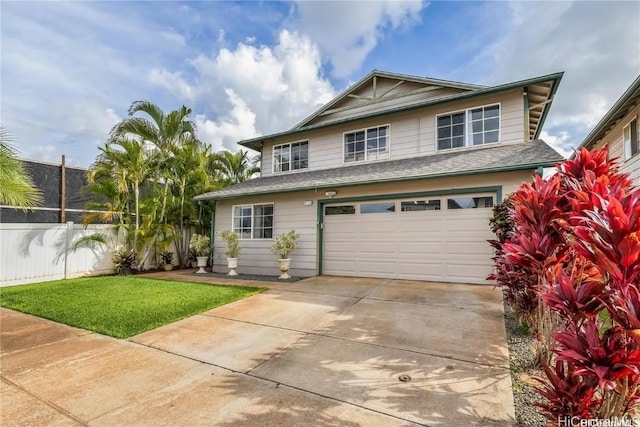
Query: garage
pixel 441 238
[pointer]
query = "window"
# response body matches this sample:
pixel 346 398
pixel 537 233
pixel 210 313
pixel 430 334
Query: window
pixel 385 207
pixel 630 139
pixel 420 205
pixel 366 144
pixel 289 157
pixel 340 210
pixel 253 221
pixel 470 202
pixel 476 126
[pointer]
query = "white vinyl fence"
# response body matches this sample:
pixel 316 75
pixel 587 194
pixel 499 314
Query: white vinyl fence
pixel 31 253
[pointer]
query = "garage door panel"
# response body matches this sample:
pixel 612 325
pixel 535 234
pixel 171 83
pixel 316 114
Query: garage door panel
pixel 440 245
pixel 468 273
pixel 468 248
pixel 340 265
pixel 421 248
pixel 378 227
pixel 421 268
pixel 377 267
pixel 424 225
pixel 340 247
pixel 378 251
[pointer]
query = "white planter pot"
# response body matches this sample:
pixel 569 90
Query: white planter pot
pixel 232 263
pixel 284 268
pixel 202 263
pixel 168 267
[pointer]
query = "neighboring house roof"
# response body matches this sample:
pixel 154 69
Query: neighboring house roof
pixel 540 92
pixel 621 108
pixel 497 158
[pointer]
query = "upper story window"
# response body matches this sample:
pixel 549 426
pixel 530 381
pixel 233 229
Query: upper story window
pixel 475 126
pixel 292 156
pixel 253 221
pixel 630 139
pixel 366 144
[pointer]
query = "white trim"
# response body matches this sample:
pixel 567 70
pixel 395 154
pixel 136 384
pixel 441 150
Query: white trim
pixel 252 205
pixel 273 156
pixel 388 151
pixel 626 145
pixel 468 143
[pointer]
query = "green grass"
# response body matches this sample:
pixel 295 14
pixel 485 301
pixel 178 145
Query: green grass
pixel 119 306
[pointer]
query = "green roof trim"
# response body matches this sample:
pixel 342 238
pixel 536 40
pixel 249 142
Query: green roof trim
pixel 255 143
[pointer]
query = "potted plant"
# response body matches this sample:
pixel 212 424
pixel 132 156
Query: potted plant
pixel 199 244
pixel 124 261
pixel 193 258
pixel 284 245
pixel 232 240
pixel 167 260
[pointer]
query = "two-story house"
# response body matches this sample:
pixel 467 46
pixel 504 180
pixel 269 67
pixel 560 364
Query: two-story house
pixel 619 131
pixel 394 178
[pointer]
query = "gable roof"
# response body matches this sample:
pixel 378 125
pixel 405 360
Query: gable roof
pixel 621 108
pixel 372 78
pixel 495 158
pixel 540 92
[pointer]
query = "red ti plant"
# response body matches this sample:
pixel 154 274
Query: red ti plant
pixel 579 233
pixel 533 245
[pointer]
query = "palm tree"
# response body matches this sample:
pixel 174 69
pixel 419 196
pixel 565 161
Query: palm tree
pixel 190 178
pixel 233 168
pixel 163 132
pixel 122 167
pixel 16 186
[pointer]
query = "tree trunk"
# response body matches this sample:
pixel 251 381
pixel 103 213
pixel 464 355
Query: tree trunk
pixel 136 189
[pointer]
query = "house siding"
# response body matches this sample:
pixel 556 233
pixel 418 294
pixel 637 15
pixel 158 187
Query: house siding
pixel 411 133
pixel 290 213
pixel 614 140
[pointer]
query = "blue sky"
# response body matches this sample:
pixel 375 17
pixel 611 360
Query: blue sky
pixel 69 70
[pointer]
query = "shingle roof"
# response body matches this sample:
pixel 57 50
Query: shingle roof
pixel 494 158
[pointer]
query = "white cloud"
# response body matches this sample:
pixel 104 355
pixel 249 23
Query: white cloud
pixel 173 37
pixel 347 31
pixel 253 90
pixel 237 124
pixel 596 44
pixel 45 153
pixel 68 67
pixel 560 141
pixel 173 82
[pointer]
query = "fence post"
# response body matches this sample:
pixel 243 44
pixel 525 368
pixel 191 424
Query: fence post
pixel 68 231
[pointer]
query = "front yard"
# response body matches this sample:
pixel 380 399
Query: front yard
pixel 119 306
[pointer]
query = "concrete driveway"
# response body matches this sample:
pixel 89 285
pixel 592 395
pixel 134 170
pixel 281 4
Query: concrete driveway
pixel 323 351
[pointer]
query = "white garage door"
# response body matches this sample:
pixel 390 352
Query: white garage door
pixel 433 238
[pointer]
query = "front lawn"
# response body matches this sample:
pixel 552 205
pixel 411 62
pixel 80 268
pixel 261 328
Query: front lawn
pixel 119 306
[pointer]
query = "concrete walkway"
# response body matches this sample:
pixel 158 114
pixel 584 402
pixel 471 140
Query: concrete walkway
pixel 323 351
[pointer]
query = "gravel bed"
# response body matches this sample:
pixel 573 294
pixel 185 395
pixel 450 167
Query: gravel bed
pixel 522 362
